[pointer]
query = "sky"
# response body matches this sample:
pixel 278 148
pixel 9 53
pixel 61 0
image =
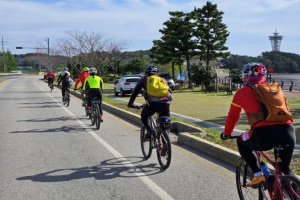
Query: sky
pixel 30 23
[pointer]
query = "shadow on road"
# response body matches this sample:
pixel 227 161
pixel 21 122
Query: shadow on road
pixel 108 169
pixel 66 129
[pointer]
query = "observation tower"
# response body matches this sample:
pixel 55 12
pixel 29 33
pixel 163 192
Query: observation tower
pixel 276 41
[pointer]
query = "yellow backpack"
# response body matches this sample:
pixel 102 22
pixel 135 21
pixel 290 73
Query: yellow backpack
pixel 157 86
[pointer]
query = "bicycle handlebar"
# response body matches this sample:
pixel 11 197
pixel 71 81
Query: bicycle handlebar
pixel 138 106
pixel 223 137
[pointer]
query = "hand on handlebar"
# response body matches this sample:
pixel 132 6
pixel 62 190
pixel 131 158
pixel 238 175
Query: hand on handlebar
pixel 135 106
pixel 131 106
pixel 223 136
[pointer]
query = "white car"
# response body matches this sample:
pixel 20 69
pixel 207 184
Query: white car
pixel 125 85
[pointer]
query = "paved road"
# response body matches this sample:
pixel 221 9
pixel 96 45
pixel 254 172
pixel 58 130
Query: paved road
pixel 49 151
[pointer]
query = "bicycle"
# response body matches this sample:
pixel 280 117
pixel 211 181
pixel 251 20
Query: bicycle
pixel 95 114
pixel 278 185
pixel 51 86
pixel 85 101
pixel 66 99
pixel 159 139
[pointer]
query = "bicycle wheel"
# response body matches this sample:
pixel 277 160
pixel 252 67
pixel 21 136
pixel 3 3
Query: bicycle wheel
pixel 163 150
pixel 146 144
pixel 86 110
pixel 51 87
pixel 291 187
pixel 97 116
pixel 244 175
pixel 92 116
pixel 68 99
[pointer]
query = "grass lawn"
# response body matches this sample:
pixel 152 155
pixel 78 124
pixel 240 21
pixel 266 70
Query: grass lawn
pixel 212 107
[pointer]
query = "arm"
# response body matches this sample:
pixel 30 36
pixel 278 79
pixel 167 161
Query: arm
pixel 234 112
pixel 59 79
pixel 101 84
pixel 136 91
pixel 232 118
pixel 84 85
pixel 76 83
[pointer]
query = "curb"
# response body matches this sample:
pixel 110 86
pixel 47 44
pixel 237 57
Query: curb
pixel 217 151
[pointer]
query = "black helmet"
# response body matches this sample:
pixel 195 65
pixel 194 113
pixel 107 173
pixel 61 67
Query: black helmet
pixel 151 70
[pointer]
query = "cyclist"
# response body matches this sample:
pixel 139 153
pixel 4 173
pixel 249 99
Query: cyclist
pixel 96 87
pixel 66 80
pixel 154 104
pixel 50 77
pixel 263 135
pixel 80 81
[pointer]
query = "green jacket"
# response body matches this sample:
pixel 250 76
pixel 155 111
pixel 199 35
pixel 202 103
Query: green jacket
pixel 93 82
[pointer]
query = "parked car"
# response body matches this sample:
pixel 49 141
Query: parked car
pixel 125 85
pixel 168 78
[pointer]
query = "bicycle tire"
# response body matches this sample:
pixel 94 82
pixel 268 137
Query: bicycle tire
pixel 164 151
pixel 86 110
pixel 68 99
pixel 97 116
pixel 92 116
pixel 291 187
pixel 51 87
pixel 244 175
pixel 146 144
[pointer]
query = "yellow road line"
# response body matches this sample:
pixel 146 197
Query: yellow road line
pixel 3 82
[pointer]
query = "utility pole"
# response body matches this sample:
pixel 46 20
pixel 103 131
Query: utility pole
pixel 48 63
pixel 4 60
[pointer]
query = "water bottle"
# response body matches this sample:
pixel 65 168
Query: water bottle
pixel 264 168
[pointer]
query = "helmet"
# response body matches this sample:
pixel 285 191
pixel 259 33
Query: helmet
pixel 254 73
pixel 66 69
pixel 254 69
pixel 151 70
pixel 86 69
pixel 93 70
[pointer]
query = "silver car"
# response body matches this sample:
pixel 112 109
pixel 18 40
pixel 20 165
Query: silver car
pixel 125 85
pixel 168 78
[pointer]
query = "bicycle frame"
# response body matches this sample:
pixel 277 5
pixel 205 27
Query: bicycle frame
pixel 275 177
pixel 275 164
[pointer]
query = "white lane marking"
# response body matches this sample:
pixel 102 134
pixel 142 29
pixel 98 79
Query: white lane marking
pixel 142 176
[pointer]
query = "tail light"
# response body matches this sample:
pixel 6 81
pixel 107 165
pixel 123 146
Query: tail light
pixel 126 83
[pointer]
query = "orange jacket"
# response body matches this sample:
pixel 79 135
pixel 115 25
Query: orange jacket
pixel 80 80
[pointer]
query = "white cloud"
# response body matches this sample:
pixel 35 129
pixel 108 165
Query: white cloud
pixel 138 21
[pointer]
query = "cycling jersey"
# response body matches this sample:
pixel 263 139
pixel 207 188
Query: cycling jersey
pixel 93 82
pixel 245 99
pixel 50 75
pixel 80 80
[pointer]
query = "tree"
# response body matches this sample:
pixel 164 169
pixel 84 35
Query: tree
pixel 134 66
pixel 210 32
pixel 90 49
pixel 9 60
pixel 200 75
pixel 177 40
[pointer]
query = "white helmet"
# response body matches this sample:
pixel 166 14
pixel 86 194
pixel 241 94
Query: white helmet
pixel 93 71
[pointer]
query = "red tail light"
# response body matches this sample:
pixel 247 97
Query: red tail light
pixel 126 83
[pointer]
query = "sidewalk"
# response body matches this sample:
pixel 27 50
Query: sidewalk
pixel 206 124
